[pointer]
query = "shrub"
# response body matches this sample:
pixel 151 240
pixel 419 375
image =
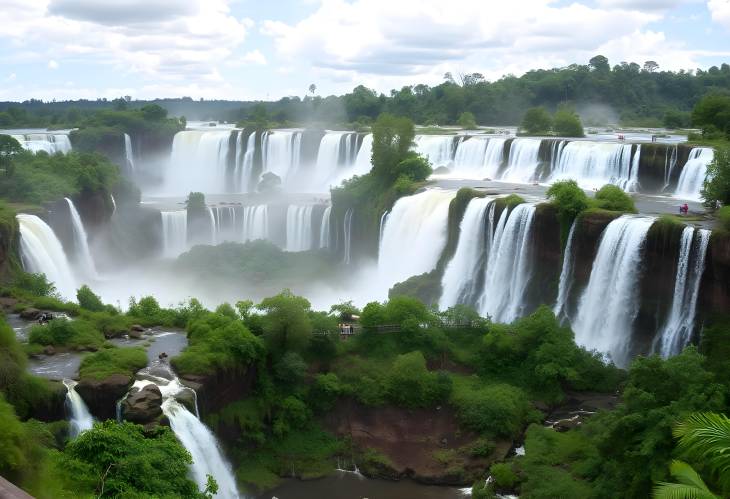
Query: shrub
pixel 62 332
pixel 504 477
pixel 536 121
pixel 568 198
pixel 611 197
pixel 467 121
pixel 88 300
pixel 107 362
pixel 723 215
pixel 567 124
pixel 717 183
pixel 410 384
pixel 35 284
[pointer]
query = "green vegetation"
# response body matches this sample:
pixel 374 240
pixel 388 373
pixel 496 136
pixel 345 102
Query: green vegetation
pixel 566 123
pixel 77 334
pixel 723 215
pixel 466 121
pixel 717 184
pixel 613 198
pixel 88 300
pixel 112 360
pixel 712 114
pixel 537 121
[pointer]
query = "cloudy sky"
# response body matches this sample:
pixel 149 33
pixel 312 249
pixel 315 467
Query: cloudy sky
pixel 266 49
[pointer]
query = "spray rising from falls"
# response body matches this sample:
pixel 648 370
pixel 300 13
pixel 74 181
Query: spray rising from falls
pixel 694 172
pixel 79 417
pixel 414 236
pixel 83 253
pixel 41 252
pixel 678 329
pixel 51 143
pixel 610 302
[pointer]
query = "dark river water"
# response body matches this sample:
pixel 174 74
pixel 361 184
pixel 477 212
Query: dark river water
pixel 344 485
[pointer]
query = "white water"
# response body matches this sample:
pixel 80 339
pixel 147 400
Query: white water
pixel 246 168
pixel 328 160
pixel 363 163
pixel 595 164
pixel 128 151
pixel 694 172
pixel 80 418
pixel 677 331
pixel 83 253
pixel 299 227
pixel 255 222
pixel 610 302
pixel 461 276
pixel 174 232
pixel 41 252
pixel 324 228
pixel 227 227
pixel 281 151
pixel 437 148
pixel 347 232
pixel 198 162
pixel 566 278
pixel 51 143
pixel 114 204
pixel 509 265
pixel 523 161
pixel 414 236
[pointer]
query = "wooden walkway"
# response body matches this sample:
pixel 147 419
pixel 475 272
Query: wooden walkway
pixel 10 491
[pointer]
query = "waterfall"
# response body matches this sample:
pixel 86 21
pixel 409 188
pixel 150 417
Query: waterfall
pixel 174 232
pixel 509 265
pixel 299 227
pixel 128 151
pixel 347 230
pixel 523 161
pixel 610 302
pixel 198 440
pixel 595 164
pixel 81 242
pixel 198 162
pixel 461 277
pixel 114 204
pixel 438 149
pixel 324 228
pixel 470 157
pixel 670 162
pixel 227 227
pixel 566 277
pixel 80 418
pixel 328 160
pixel 381 227
pixel 255 222
pixel 414 235
pixel 51 143
pixel 493 157
pixel 281 152
pixel 363 163
pixel 677 331
pixel 247 164
pixel 213 227
pixel 693 174
pixel 41 252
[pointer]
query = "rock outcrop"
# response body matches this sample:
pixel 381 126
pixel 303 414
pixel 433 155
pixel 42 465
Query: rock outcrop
pixel 101 396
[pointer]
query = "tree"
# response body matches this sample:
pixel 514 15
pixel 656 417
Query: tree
pixel 717 183
pixel 153 112
pixel 650 66
pixel 312 88
pixel 566 123
pixel 88 300
pixel 286 325
pixel 569 198
pixel 674 118
pixel 195 202
pixel 713 112
pixel 392 141
pixel 536 121
pixel 9 148
pixel 467 121
pixel 599 63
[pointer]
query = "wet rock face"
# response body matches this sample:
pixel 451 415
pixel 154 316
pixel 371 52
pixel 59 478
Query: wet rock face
pixel 143 406
pixel 101 395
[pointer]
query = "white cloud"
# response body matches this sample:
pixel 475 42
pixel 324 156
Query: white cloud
pixel 160 39
pixel 720 11
pixel 52 64
pixel 254 57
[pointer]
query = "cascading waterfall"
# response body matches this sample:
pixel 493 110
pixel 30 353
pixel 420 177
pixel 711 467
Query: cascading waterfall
pixel 595 164
pixel 198 162
pixel 114 204
pixel 299 227
pixel 281 151
pixel 41 252
pixel 174 232
pixel 246 168
pixel 414 236
pixel 670 162
pixel 79 417
pixel 610 302
pixel 51 143
pixel 694 172
pixel 227 227
pixel 81 241
pixel 470 157
pixel 381 227
pixel 439 149
pixel 523 161
pixel 198 440
pixel 128 151
pixel 566 278
pixel 460 281
pixel 509 265
pixel 363 163
pixel 255 222
pixel 677 331
pixel 347 232
pixel 328 160
pixel 213 227
pixel 324 228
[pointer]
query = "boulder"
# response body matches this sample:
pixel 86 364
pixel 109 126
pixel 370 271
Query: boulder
pixel 49 350
pixel 143 406
pixel 30 314
pixel 101 395
pixel 134 334
pixel 137 327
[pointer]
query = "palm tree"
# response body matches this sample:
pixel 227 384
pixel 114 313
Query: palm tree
pixel 703 437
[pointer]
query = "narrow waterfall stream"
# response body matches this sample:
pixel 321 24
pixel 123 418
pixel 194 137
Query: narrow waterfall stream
pixel 81 240
pixel 566 278
pixel 174 232
pixel 41 252
pixel 679 326
pixel 324 228
pixel 610 302
pixel 79 417
pixel 694 172
pixel 299 227
pixel 129 151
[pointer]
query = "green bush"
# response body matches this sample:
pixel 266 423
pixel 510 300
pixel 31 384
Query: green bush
pixel 35 285
pixel 504 477
pixel 717 183
pixel 537 121
pixel 105 363
pixel 467 121
pixel 613 198
pixel 88 300
pixel 61 332
pixel 566 123
pixel 410 384
pixel 723 215
pixel 569 198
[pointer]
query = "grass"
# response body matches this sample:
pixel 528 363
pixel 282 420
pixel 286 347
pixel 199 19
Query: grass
pixel 110 361
pixel 77 334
